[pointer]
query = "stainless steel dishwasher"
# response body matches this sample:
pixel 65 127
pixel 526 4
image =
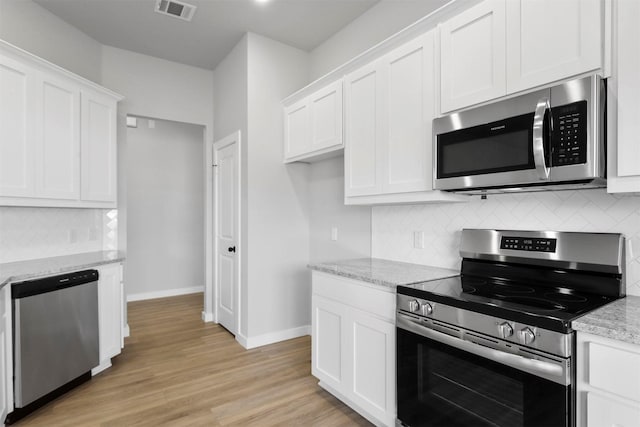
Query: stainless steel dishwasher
pixel 55 337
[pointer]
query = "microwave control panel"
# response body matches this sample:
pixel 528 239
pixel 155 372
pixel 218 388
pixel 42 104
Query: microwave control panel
pixel 535 244
pixel 569 134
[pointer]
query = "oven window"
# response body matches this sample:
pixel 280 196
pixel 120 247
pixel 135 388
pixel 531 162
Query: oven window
pixel 495 147
pixel 442 386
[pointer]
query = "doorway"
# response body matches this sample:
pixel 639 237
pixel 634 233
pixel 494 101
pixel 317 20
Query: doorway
pixel 165 208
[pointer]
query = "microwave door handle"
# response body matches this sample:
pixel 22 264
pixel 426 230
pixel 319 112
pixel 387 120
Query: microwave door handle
pixel 542 168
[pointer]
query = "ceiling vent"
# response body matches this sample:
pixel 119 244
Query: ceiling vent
pixel 176 9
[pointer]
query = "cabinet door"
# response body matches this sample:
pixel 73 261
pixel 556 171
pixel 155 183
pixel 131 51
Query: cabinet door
pixel 6 358
pixel 548 40
pixel 58 140
pixel 623 167
pixel 605 412
pixel 326 117
pixel 110 306
pixel 363 128
pixel 472 51
pixel 328 343
pixel 297 137
pixel 408 112
pixel 372 354
pixel 17 128
pixel 98 148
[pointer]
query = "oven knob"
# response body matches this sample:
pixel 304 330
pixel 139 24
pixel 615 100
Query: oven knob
pixel 414 305
pixel 505 330
pixel 427 309
pixel 527 336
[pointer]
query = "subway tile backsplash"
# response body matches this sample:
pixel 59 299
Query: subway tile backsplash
pixel 583 210
pixel 28 233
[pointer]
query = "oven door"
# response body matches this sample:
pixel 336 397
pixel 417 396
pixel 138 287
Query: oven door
pixel 439 384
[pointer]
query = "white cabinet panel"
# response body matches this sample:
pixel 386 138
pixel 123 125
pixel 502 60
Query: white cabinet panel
pixel 98 148
pixel 622 100
pixel 58 140
pixel 408 116
pixel 604 412
pixel 353 344
pixel 569 44
pixel 297 131
pixel 17 128
pixel 622 377
pixel 373 353
pixel 326 117
pixel 6 353
pixel 328 353
pixel 313 125
pixel 363 128
pixel 110 311
pixel 472 52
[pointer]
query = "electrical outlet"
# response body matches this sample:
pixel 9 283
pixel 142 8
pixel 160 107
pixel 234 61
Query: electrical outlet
pixel 93 234
pixel 152 124
pixel 73 235
pixel 334 233
pixel 418 239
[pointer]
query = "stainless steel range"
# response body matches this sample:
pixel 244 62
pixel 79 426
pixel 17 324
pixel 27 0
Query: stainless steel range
pixel 494 346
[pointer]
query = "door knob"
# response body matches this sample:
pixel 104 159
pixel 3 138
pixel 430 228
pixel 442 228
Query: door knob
pixel 232 249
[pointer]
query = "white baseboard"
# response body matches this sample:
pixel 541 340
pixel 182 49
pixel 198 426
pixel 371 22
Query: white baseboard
pixel 207 317
pixel 273 337
pixel 126 332
pixel 164 294
pixel 101 367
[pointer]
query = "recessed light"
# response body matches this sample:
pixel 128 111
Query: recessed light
pixel 262 1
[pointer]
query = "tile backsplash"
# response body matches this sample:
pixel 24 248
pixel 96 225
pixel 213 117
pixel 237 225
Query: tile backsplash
pixel 28 233
pixel 584 210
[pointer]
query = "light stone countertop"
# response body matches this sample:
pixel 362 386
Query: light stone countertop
pixel 29 269
pixel 384 272
pixel 619 320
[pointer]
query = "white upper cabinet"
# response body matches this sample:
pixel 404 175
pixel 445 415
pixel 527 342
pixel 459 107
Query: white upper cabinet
pixel 499 47
pixel 17 128
pixel 98 150
pixel 58 139
pixel 408 114
pixel 389 108
pixel 472 55
pixel 313 125
pixel 57 136
pixel 623 114
pixel 549 40
pixel 363 130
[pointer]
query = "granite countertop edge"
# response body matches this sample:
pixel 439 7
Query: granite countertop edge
pixel 29 269
pixel 383 272
pixel 618 321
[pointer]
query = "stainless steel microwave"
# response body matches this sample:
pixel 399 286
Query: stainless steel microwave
pixel 549 139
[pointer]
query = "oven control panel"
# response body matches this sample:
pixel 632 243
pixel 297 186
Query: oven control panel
pixel 535 244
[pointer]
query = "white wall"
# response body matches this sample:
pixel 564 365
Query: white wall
pixel 230 114
pixel 278 226
pixel 165 209
pixel 376 24
pixel 36 30
pixel 327 210
pixel 585 210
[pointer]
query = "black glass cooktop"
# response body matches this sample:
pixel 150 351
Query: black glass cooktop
pixel 548 307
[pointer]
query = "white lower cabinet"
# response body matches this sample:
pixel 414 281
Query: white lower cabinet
pixel 353 344
pixel 608 382
pixel 110 313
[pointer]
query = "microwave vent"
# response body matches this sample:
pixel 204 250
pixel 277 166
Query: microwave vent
pixel 175 9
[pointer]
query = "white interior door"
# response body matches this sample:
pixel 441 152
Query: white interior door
pixel 226 160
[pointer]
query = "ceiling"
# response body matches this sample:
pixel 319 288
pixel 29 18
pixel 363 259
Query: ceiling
pixel 216 26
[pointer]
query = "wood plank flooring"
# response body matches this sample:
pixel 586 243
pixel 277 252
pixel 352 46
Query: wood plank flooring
pixel 176 370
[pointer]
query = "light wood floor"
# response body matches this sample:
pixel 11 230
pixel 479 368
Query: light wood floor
pixel 177 371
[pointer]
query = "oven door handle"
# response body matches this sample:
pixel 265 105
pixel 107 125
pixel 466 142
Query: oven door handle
pixel 538 139
pixel 557 372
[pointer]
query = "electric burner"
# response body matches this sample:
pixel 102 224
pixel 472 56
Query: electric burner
pixel 515 289
pixel 566 297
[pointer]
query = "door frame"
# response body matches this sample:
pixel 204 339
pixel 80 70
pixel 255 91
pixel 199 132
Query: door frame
pixel 214 293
